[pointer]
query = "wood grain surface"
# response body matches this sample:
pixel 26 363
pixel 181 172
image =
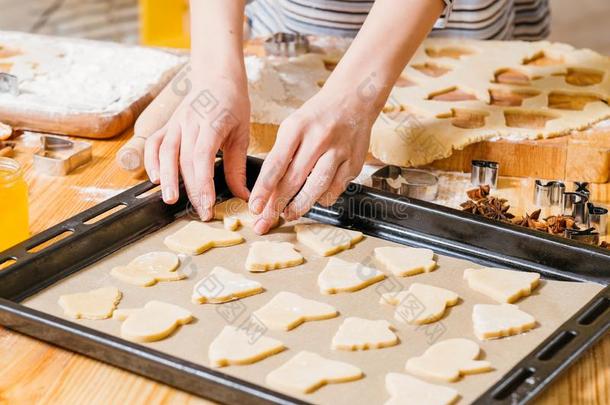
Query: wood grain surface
pixel 33 372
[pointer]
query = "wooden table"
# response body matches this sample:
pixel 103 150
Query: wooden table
pixel 35 372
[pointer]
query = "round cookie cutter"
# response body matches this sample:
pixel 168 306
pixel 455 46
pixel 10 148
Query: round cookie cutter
pixel 412 183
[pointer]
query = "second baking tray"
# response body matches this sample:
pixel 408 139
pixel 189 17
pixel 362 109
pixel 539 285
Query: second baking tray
pixel 377 214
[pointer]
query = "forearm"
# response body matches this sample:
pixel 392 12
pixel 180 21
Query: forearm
pixel 388 39
pixel 217 38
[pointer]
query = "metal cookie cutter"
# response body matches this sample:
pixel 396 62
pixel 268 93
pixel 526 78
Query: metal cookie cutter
pixel 9 83
pixel 589 235
pixel 413 183
pixel 575 205
pixel 597 218
pixel 484 172
pixel 548 194
pixel 58 156
pixel 286 44
pixel 582 187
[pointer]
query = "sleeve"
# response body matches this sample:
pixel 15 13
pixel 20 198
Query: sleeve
pixel 442 20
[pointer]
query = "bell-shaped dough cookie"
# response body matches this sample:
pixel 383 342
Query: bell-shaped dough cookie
pixel 407 390
pixel 233 346
pixel 148 269
pixel 94 304
pixel 343 276
pixel 363 334
pixel 267 255
pixel 496 321
pixel 196 237
pixel 155 321
pixel 222 285
pixel 405 261
pixel 500 284
pixel 326 240
pixel 287 310
pixel 421 303
pixel 448 360
pixel 234 213
pixel 307 371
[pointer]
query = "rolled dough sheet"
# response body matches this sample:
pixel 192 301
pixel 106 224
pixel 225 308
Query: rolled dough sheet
pixel 548 304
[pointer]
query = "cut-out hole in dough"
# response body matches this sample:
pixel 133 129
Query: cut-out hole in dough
pixel 510 98
pixel 562 100
pixel 527 119
pixel 466 119
pixel 452 52
pixel 511 76
pixel 404 81
pixel 452 94
pixel 542 59
pixel 431 69
pixel 583 77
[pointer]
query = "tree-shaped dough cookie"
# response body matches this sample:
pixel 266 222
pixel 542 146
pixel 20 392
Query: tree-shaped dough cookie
pixel 268 255
pixel 407 390
pixel 234 213
pixel 363 334
pixel 287 310
pixel 222 285
pixel 500 284
pixel 343 276
pixel 233 346
pixel 326 240
pixel 94 304
pixel 405 261
pixel 496 321
pixel 196 237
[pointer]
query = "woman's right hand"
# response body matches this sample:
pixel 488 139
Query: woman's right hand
pixel 213 116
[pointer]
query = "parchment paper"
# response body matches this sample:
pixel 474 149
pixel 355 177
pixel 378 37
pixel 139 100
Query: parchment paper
pixel 551 304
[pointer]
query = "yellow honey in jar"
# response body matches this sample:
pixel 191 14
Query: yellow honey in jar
pixel 13 204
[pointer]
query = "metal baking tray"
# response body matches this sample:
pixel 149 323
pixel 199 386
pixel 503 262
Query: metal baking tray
pixel 442 229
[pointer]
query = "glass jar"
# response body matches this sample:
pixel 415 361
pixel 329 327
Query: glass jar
pixel 13 204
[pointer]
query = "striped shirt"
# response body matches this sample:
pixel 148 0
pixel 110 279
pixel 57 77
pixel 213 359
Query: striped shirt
pixel 475 19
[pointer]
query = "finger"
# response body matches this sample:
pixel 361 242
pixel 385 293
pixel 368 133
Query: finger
pixel 317 183
pixel 151 154
pixel 234 158
pixel 187 146
pixel 204 156
pixel 168 164
pixel 338 185
pixel 274 166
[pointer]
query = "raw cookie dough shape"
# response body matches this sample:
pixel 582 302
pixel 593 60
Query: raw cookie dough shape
pixel 150 268
pixel 448 360
pixel 364 334
pixel 407 390
pixel 268 255
pixel 234 213
pixel 496 321
pixel 500 284
pixel 287 310
pixel 233 346
pixel 222 285
pixel 94 304
pixel 155 321
pixel 405 261
pixel 307 371
pixel 326 240
pixel 343 276
pixel 421 303
pixel 196 237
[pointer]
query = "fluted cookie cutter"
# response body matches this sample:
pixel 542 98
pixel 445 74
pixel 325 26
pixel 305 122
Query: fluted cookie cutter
pixel 412 183
pixel 548 194
pixel 58 156
pixel 286 44
pixel 590 235
pixel 484 172
pixel 575 205
pixel 597 217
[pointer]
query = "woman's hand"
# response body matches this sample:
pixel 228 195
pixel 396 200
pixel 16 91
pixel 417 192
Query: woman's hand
pixel 215 115
pixel 319 149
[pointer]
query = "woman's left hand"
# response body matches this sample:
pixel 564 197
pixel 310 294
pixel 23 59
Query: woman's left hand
pixel 319 149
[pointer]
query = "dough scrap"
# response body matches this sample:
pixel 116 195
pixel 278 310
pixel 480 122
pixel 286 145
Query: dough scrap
pixel 448 360
pixel 196 237
pixel 326 240
pixel 234 213
pixel 363 334
pixel 343 276
pixel 307 371
pixel 148 269
pixel 268 255
pixel 94 304
pixel 421 303
pixel 155 321
pixel 405 261
pixel 495 321
pixel 500 284
pixel 234 347
pixel 407 390
pixel 222 285
pixel 287 310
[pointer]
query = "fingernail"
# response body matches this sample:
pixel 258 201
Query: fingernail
pixel 154 176
pixel 257 206
pixel 259 227
pixel 168 194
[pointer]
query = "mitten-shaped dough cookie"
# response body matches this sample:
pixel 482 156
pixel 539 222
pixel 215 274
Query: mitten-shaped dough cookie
pixel 363 334
pixel 196 237
pixel 150 268
pixel 94 304
pixel 407 390
pixel 500 284
pixel 222 285
pixel 267 255
pixel 421 303
pixel 343 276
pixel 233 346
pixel 405 261
pixel 326 240
pixel 496 321
pixel 287 310
pixel 155 321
